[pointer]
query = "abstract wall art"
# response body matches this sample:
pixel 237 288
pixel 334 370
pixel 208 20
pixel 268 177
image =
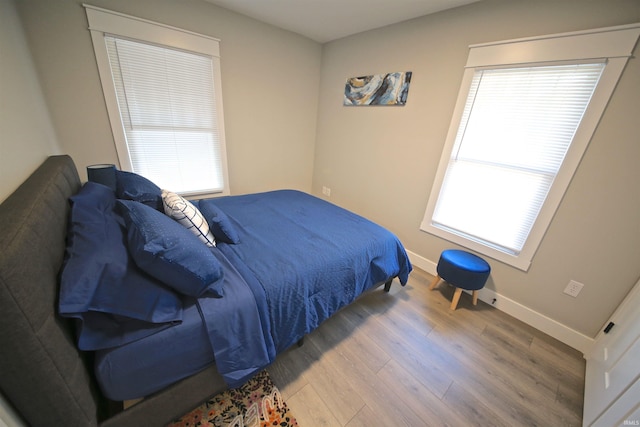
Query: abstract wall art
pixel 378 89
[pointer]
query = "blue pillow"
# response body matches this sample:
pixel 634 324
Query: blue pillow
pixel 131 186
pixel 101 283
pixel 219 223
pixel 169 252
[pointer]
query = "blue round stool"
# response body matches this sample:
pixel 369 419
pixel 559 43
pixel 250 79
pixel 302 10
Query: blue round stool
pixel 462 270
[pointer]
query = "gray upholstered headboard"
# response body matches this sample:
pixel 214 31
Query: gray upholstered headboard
pixel 41 367
pixel 42 374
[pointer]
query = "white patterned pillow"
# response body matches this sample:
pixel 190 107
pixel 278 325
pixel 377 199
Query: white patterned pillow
pixel 183 211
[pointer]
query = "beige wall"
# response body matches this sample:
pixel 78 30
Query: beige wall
pixel 26 133
pixel 381 161
pixel 270 83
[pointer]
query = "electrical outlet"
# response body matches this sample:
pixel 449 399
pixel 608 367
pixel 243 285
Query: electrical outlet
pixel 573 288
pixel 326 191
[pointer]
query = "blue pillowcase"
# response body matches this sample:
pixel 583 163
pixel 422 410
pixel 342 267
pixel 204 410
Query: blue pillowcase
pixel 101 285
pixel 169 252
pixel 131 186
pixel 219 223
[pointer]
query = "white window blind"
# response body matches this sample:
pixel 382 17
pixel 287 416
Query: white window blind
pixel 516 128
pixel 167 106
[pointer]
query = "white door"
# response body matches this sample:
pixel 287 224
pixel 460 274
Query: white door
pixel 612 381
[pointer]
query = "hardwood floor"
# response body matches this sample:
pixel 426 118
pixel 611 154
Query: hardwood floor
pixel 403 358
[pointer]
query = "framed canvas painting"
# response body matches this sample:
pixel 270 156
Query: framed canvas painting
pixel 378 89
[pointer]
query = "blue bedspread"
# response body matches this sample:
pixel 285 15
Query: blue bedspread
pixel 299 259
pixel 308 257
pixel 238 327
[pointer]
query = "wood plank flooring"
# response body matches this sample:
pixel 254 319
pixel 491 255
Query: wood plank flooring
pixel 404 359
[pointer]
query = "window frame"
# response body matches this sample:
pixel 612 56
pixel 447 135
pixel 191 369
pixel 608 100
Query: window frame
pixel 613 45
pixel 105 22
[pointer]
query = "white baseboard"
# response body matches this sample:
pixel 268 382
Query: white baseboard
pixel 513 308
pixel 422 263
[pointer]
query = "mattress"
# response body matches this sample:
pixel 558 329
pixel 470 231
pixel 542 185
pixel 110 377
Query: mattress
pixel 232 331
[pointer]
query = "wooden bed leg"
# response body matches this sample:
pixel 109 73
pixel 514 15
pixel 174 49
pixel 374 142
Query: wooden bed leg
pixel 387 285
pixel 301 342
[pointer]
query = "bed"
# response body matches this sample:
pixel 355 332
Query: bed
pixel 276 277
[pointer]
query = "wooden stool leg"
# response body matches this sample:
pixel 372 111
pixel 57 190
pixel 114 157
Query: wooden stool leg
pixel 434 283
pixel 475 297
pixel 456 298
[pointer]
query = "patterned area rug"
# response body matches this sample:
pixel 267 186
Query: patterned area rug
pixel 258 403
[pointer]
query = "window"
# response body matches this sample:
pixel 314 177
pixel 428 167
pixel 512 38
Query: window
pixel 162 87
pixel 525 114
pixel 515 131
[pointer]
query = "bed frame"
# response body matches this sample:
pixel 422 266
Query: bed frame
pixel 43 376
pixel 46 379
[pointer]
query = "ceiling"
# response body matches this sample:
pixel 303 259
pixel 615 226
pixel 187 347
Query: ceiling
pixel 327 20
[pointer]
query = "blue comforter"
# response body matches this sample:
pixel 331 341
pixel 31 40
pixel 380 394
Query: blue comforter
pixel 297 260
pixel 304 259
